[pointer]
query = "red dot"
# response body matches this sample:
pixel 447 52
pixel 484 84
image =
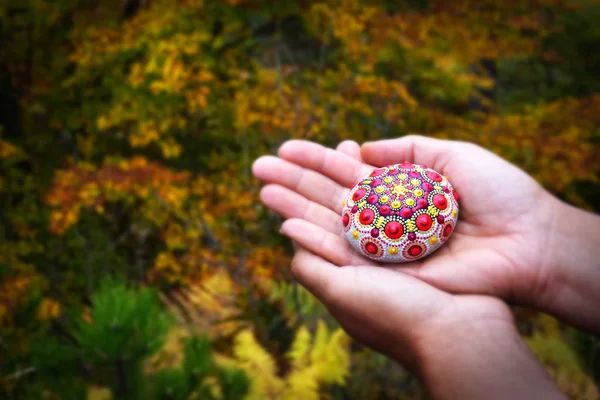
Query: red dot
pixel 456 196
pixel 439 200
pixel 447 230
pixel 440 219
pixel 428 187
pixel 371 248
pixel 412 236
pixel 366 216
pixel 372 199
pixel 406 164
pixel 415 250
pixel 424 222
pixel 394 172
pixel 354 209
pixel 384 210
pixel 374 232
pixel 434 176
pixel 421 203
pixel 394 229
pixel 414 174
pixel 358 194
pixel 378 171
pixel 406 213
pixel 345 219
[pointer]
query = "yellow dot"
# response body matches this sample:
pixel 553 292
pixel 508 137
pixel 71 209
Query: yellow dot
pixel 402 176
pixel 418 168
pixel 433 240
pixel 380 189
pixel 418 192
pixel 355 234
pixel 433 210
pixel 388 179
pixel 396 204
pixel 437 187
pixel 384 199
pixel 367 182
pixel 393 250
pixel 415 182
pixel 399 189
pixel 454 212
pixel 410 202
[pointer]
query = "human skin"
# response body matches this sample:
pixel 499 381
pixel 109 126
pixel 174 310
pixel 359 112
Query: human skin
pixel 438 315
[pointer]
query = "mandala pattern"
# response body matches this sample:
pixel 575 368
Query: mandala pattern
pixel 400 213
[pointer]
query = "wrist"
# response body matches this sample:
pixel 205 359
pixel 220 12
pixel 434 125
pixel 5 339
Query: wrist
pixel 572 262
pixel 483 359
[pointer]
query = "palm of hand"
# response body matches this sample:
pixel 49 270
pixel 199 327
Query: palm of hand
pixel 496 248
pixel 413 318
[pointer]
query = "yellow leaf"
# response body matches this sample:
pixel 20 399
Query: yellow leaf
pixel 98 393
pixel 259 365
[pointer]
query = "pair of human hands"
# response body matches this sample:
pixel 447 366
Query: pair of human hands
pixel 443 313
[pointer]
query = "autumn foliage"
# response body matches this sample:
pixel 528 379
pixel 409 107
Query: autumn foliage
pixel 127 132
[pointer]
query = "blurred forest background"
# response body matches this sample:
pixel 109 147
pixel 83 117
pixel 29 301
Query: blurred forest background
pixel 135 258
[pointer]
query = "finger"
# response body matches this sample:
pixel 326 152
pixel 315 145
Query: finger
pixel 330 246
pixel 313 272
pixel 313 186
pixel 290 204
pixel 379 298
pixel 433 153
pixel 340 167
pixel 351 149
pixel 368 291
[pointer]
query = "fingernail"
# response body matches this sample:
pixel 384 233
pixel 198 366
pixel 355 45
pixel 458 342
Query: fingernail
pixel 282 229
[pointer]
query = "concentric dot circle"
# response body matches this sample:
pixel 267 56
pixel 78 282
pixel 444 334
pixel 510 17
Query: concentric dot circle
pixel 359 194
pixel 366 216
pixel 434 176
pixel 440 201
pixel 400 213
pixel 394 230
pixel 446 230
pixel 379 172
pixel 372 247
pixel 424 222
pixel 414 250
pixel 346 218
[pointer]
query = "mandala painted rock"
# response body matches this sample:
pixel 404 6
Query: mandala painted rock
pixel 400 213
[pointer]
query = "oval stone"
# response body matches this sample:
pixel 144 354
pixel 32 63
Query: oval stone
pixel 413 212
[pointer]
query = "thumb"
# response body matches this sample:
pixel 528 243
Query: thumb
pixel 434 153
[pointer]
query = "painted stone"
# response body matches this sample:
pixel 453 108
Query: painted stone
pixel 400 213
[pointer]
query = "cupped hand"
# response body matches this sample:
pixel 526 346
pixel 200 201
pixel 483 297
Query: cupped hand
pixel 461 346
pixel 500 244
